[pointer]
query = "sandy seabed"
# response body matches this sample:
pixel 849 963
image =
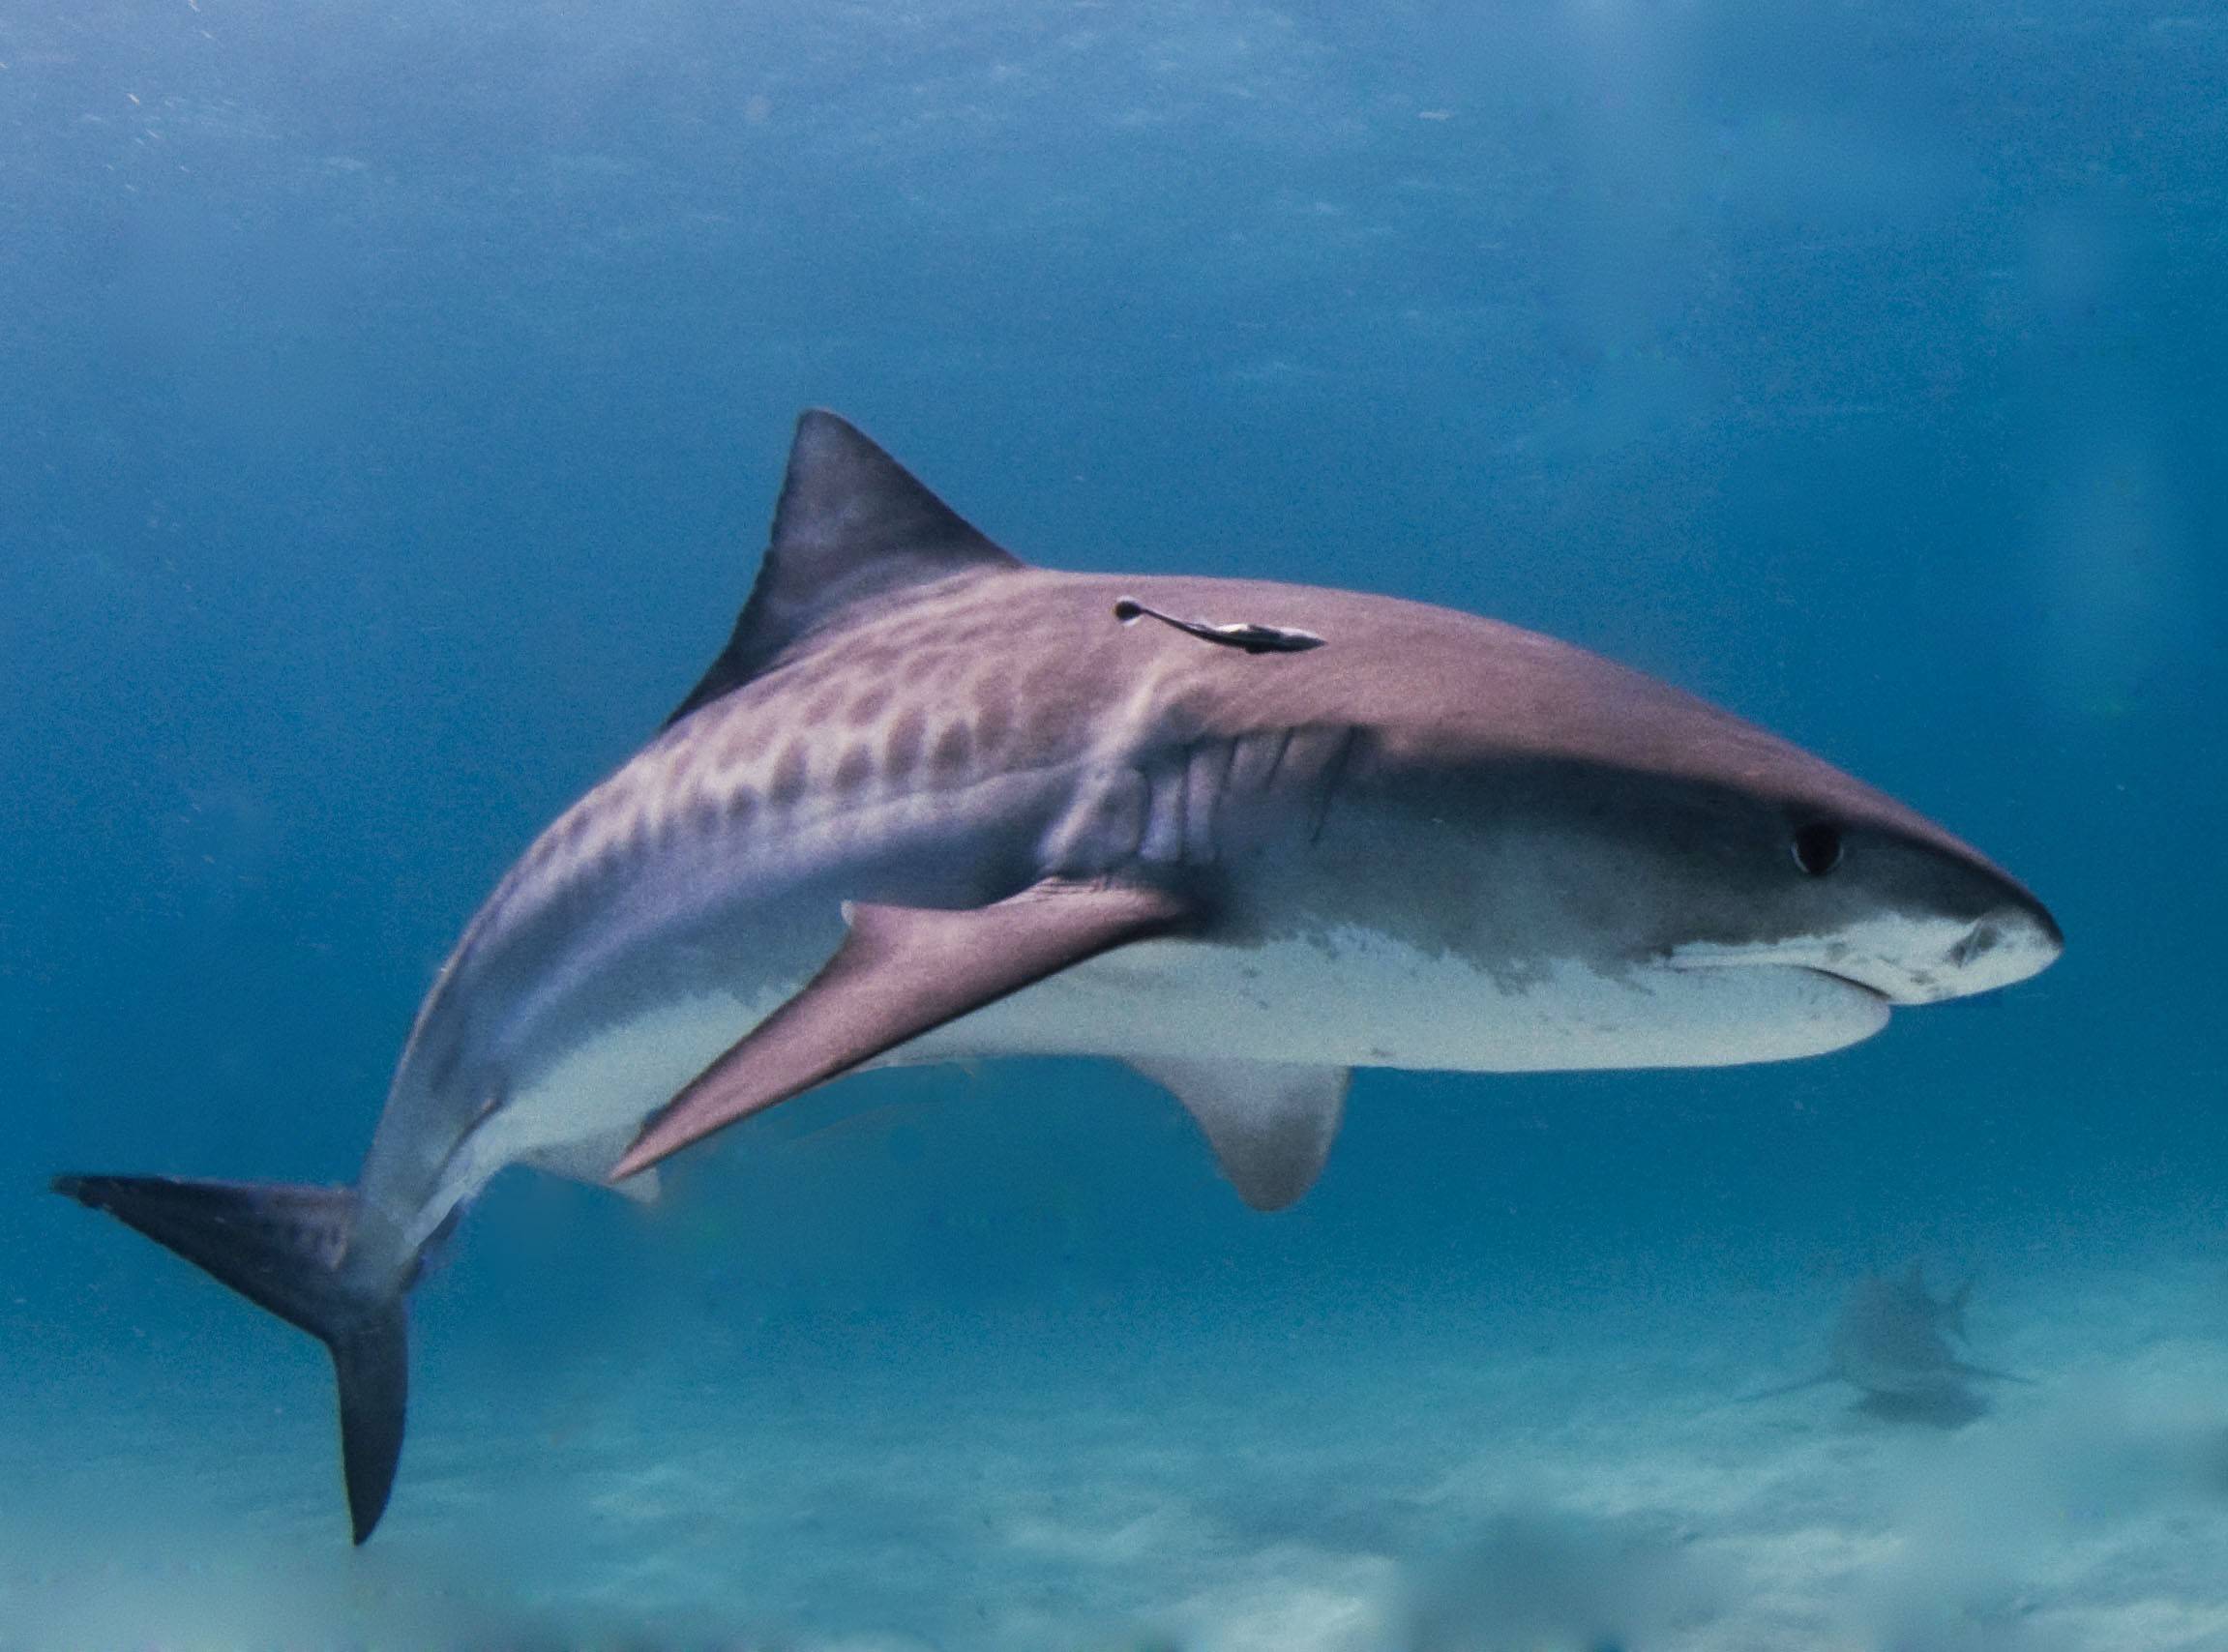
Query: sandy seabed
pixel 1357 1475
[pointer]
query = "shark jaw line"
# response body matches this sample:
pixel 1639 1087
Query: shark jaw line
pixel 1902 960
pixel 1853 1010
pixel 1694 957
pixel 1850 980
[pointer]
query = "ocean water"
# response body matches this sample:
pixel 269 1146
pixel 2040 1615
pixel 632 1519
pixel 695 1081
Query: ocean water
pixel 392 400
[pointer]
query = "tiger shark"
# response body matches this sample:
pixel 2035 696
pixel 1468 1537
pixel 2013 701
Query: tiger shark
pixel 1893 1341
pixel 932 804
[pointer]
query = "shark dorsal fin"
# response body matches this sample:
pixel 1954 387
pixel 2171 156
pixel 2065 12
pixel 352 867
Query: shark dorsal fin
pixel 853 525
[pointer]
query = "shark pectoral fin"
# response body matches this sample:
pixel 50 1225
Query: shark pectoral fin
pixel 1271 1125
pixel 901 972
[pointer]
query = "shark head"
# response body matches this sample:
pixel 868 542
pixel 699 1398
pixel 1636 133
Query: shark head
pixel 1602 824
pixel 1807 868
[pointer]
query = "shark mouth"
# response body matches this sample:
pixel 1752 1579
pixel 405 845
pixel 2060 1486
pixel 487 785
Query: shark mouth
pixel 1711 954
pixel 1845 981
pixel 1905 958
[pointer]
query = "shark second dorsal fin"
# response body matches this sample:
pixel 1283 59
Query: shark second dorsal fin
pixel 853 525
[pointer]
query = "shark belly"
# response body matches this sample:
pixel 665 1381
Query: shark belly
pixel 598 1093
pixel 1358 997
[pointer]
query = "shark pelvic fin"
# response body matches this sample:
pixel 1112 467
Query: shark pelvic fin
pixel 279 1245
pixel 1271 1125
pixel 901 972
pixel 852 526
pixel 590 1160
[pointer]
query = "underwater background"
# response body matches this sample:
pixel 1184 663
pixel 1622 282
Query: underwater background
pixel 392 400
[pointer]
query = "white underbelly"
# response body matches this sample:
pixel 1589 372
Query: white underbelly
pixel 1363 999
pixel 603 1088
pixel 1360 1000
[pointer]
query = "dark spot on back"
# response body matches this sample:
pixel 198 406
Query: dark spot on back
pixel 995 721
pixel 742 804
pixel 824 705
pixel 955 750
pixel 940 669
pixel 903 749
pixel 1047 684
pixel 1046 707
pixel 868 707
pixel 853 771
pixel 789 782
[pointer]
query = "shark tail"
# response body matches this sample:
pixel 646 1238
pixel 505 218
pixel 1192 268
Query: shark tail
pixel 279 1245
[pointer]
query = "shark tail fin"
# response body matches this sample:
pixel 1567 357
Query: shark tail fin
pixel 279 1245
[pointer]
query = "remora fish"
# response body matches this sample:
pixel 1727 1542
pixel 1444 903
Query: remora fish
pixel 931 802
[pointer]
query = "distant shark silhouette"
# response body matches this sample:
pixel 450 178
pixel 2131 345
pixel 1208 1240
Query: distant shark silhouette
pixel 1892 1341
pixel 929 803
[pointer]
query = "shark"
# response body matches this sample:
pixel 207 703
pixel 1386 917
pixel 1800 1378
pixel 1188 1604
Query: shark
pixel 929 803
pixel 1893 1339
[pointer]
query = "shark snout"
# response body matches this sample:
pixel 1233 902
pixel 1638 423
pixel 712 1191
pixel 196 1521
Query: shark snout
pixel 2017 940
pixel 1931 960
pixel 1904 959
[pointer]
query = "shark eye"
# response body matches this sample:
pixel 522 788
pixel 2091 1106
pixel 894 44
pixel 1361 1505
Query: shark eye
pixel 1817 848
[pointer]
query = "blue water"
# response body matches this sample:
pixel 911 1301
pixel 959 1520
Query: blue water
pixel 391 402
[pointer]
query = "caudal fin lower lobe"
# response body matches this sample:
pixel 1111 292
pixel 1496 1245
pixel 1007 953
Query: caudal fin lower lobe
pixel 279 1244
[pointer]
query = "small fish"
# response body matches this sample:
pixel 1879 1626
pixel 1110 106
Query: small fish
pixel 1252 639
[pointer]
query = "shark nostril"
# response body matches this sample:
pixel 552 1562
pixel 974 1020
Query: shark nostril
pixel 1977 943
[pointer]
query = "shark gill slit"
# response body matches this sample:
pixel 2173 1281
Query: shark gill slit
pixel 1331 776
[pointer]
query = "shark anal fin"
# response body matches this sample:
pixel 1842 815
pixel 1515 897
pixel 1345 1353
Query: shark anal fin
pixel 1271 1125
pixel 901 972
